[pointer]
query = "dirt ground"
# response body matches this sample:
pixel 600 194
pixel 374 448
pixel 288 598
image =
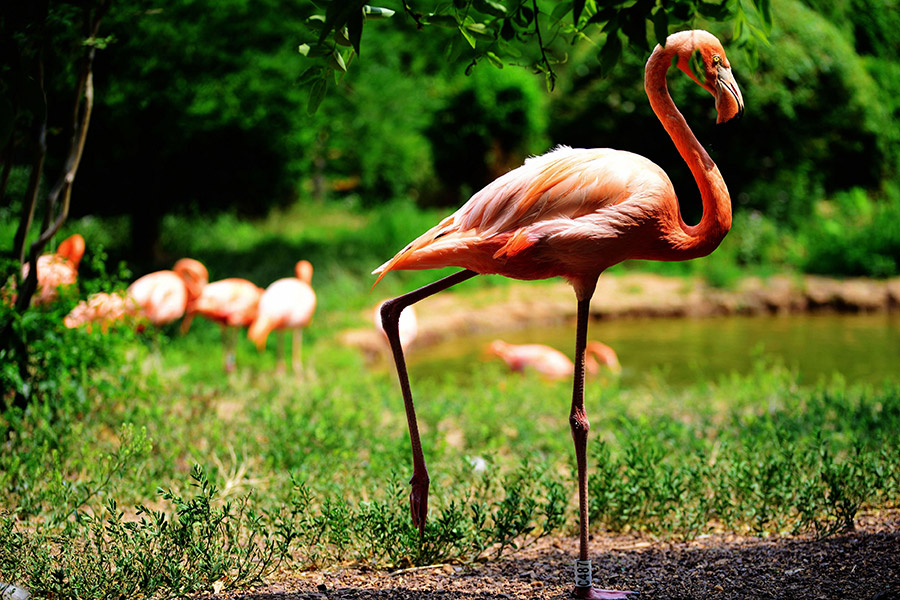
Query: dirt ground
pixel 863 564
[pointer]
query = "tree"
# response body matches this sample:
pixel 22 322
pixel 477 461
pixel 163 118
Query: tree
pixel 522 32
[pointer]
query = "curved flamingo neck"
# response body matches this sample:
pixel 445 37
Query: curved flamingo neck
pixel 701 239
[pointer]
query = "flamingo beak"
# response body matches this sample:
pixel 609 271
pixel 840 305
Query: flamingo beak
pixel 729 102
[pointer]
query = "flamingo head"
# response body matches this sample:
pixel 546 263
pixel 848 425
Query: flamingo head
pixel 194 274
pixel 700 54
pixel 72 249
pixel 304 271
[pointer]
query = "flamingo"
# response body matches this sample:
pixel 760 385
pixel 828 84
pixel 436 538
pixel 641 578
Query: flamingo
pixel 163 296
pixel 573 213
pixel 232 303
pixel 409 325
pixel 598 354
pixel 549 362
pixel 57 270
pixel 288 303
pixel 102 308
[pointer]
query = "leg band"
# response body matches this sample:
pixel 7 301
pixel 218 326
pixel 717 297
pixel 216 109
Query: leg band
pixel 583 573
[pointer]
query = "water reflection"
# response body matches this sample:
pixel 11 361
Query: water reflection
pixel 862 348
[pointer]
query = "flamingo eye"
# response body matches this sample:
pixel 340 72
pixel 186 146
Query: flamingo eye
pixel 716 59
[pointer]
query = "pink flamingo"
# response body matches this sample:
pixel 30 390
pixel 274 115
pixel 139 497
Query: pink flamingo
pixel 232 303
pixel 573 213
pixel 597 355
pixel 103 309
pixel 163 296
pixel 549 362
pixel 288 303
pixel 57 270
pixel 409 325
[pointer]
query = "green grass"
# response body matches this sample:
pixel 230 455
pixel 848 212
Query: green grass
pixel 138 450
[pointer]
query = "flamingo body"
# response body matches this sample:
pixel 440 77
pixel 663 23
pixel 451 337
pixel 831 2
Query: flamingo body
pixel 57 270
pixel 163 296
pixel 549 362
pixel 103 309
pixel 287 303
pixel 231 302
pixel 409 325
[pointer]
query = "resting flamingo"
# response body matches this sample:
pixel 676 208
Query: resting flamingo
pixel 573 213
pixel 288 303
pixel 163 296
pixel 409 325
pixel 549 362
pixel 57 269
pixel 103 308
pixel 232 303
pixel 597 355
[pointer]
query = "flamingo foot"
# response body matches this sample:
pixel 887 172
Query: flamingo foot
pixel 593 593
pixel 584 589
pixel 418 502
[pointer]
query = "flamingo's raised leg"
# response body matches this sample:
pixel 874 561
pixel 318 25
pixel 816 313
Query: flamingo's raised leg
pixel 390 319
pixel 580 425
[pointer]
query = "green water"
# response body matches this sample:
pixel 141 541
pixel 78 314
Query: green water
pixel 861 348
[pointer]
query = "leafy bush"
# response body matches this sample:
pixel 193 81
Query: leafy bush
pixel 854 235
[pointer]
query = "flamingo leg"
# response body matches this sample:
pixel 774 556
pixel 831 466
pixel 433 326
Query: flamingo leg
pixel 279 352
pixel 296 350
pixel 580 426
pixel 230 361
pixel 390 318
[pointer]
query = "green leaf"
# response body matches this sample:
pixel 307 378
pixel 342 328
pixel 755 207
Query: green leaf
pixel 342 38
pixel 494 60
pixel 481 30
pixel 507 31
pixel 469 37
pixel 489 7
pixel 610 53
pixel 441 20
pixel 577 9
pixel 661 26
pixel 310 75
pixel 377 12
pixel 559 11
pixel 316 95
pixel 354 29
pixel 337 61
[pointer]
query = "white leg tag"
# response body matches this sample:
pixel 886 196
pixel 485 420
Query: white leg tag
pixel 583 573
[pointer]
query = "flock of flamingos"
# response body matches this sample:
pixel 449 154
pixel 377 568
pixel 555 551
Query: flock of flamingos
pixel 289 303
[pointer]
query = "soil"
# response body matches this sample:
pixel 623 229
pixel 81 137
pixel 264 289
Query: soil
pixel 863 564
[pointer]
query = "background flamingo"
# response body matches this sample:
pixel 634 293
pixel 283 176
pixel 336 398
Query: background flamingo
pixel 573 213
pixel 288 303
pixel 597 355
pixel 409 324
pixel 57 269
pixel 163 296
pixel 103 309
pixel 549 362
pixel 232 303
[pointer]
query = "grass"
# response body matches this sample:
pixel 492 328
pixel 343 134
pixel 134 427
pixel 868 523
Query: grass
pixel 138 452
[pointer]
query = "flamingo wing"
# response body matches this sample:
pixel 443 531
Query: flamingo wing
pixel 231 301
pixel 542 198
pixel 160 296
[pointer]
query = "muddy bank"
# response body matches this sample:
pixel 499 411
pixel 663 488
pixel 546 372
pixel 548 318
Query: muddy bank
pixel 521 305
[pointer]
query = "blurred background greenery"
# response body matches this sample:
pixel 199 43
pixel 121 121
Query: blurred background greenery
pixel 198 113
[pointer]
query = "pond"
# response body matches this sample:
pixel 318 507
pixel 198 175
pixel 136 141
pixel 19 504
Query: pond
pixel 862 348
